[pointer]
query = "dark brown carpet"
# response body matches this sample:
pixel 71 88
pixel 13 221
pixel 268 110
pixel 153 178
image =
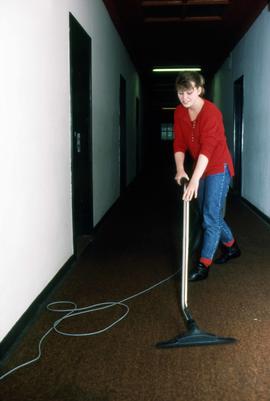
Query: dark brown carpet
pixel 137 245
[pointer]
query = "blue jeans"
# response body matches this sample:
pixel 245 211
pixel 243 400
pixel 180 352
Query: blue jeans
pixel 212 194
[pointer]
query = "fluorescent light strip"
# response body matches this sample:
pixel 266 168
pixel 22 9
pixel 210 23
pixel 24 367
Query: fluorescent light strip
pixel 168 108
pixel 176 69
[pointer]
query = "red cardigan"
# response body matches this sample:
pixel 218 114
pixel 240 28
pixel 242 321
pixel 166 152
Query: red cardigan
pixel 205 136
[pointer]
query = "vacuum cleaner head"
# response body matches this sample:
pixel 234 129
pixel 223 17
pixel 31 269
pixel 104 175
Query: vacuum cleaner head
pixel 195 337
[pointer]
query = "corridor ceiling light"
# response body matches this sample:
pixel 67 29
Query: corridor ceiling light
pixel 176 69
pixel 167 108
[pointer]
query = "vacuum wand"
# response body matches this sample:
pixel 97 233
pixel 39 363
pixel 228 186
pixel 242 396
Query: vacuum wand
pixel 193 336
pixel 185 252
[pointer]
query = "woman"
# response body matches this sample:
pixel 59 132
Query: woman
pixel 198 128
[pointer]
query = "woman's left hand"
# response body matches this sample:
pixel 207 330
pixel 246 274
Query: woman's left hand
pixel 191 190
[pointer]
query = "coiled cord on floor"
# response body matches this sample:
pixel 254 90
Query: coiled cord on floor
pixel 75 311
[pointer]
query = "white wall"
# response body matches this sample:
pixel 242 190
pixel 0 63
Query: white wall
pixel 251 58
pixel 35 163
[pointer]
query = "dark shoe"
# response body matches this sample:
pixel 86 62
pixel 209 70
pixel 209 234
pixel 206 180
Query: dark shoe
pixel 199 272
pixel 229 252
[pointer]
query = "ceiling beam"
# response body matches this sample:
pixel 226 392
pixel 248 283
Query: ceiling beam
pixel 210 18
pixel 167 3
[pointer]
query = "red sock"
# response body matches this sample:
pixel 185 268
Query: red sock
pixel 230 243
pixel 205 261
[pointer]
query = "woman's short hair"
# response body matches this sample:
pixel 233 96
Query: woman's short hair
pixel 187 79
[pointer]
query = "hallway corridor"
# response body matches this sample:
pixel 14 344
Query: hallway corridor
pixel 137 245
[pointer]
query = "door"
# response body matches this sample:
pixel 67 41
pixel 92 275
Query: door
pixel 238 133
pixel 123 140
pixel 80 82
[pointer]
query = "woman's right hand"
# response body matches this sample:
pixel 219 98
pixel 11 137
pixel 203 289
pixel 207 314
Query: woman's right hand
pixel 179 175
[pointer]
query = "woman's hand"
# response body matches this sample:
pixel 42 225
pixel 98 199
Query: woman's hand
pixel 191 190
pixel 179 175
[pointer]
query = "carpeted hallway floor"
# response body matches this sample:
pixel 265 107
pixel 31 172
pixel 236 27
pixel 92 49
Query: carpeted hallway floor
pixel 139 244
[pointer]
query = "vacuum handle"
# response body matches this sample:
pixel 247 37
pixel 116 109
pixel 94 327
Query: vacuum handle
pixel 184 181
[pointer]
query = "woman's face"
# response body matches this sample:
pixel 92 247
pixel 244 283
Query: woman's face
pixel 188 97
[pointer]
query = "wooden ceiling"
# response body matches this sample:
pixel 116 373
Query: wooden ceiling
pixel 182 32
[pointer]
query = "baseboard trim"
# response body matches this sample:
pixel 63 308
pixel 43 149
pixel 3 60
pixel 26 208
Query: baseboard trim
pixel 255 210
pixel 20 328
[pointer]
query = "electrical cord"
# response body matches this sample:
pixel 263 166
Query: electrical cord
pixel 75 311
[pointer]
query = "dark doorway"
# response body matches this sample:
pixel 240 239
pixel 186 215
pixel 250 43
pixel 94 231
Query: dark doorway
pixel 238 133
pixel 123 139
pixel 80 82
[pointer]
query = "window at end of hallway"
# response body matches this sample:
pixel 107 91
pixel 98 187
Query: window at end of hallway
pixel 167 132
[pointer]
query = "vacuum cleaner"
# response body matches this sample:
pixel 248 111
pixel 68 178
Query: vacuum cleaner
pixel 193 335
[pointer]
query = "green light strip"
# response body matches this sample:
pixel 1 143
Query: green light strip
pixel 176 69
